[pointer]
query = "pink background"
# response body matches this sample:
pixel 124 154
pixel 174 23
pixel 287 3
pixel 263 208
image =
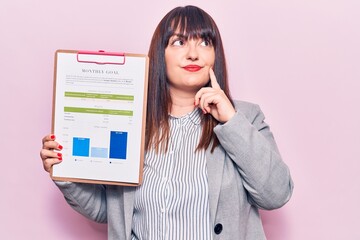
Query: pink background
pixel 298 59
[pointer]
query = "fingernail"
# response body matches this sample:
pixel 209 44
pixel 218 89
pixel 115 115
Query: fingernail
pixel 60 159
pixel 52 136
pixel 60 147
pixel 59 155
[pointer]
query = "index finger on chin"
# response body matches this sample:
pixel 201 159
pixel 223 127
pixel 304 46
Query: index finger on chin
pixel 214 83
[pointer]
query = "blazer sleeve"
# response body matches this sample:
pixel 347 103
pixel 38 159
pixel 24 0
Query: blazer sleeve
pixel 87 199
pixel 248 141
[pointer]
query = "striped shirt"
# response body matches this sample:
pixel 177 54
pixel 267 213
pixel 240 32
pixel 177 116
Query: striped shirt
pixel 172 202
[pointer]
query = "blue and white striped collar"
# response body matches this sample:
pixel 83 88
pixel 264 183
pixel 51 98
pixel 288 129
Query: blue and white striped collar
pixel 194 117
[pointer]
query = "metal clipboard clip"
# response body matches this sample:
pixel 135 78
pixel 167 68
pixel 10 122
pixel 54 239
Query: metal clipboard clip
pixel 101 57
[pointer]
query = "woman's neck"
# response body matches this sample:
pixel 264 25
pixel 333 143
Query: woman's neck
pixel 182 103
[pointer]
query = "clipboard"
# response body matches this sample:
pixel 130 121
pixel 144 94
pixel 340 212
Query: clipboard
pixel 99 116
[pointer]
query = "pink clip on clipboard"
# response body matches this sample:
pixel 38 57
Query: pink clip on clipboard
pixel 101 57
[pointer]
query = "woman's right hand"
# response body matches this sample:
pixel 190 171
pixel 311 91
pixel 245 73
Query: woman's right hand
pixel 48 155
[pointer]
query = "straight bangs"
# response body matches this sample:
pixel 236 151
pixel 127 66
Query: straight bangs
pixel 190 23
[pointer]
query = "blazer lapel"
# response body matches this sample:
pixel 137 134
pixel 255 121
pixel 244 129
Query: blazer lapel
pixel 215 164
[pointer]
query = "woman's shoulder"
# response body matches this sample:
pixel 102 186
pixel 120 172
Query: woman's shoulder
pixel 247 108
pixel 250 111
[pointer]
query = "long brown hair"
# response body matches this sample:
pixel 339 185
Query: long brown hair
pixel 195 23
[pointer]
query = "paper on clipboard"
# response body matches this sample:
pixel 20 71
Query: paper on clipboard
pixel 99 116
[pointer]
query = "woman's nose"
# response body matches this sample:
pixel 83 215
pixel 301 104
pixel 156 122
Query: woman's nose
pixel 192 53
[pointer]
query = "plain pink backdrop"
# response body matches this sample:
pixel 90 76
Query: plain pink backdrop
pixel 300 60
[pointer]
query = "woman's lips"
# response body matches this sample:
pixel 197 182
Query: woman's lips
pixel 192 68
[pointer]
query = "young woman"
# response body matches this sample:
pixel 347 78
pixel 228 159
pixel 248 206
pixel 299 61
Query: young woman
pixel 210 162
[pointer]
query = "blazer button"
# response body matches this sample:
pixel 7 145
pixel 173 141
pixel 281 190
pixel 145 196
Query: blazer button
pixel 218 228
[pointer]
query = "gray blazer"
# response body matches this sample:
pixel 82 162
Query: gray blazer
pixel 245 173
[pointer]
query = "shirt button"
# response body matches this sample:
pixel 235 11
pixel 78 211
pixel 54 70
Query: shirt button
pixel 218 228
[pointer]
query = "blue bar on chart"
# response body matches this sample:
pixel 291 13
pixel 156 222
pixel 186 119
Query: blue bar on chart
pixel 118 144
pixel 81 147
pixel 99 152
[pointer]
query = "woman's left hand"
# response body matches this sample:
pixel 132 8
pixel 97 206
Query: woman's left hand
pixel 214 101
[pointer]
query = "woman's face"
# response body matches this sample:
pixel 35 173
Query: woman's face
pixel 188 62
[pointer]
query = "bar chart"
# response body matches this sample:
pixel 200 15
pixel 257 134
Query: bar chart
pixel 117 149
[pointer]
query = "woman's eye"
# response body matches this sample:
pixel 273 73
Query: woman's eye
pixel 178 43
pixel 205 43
